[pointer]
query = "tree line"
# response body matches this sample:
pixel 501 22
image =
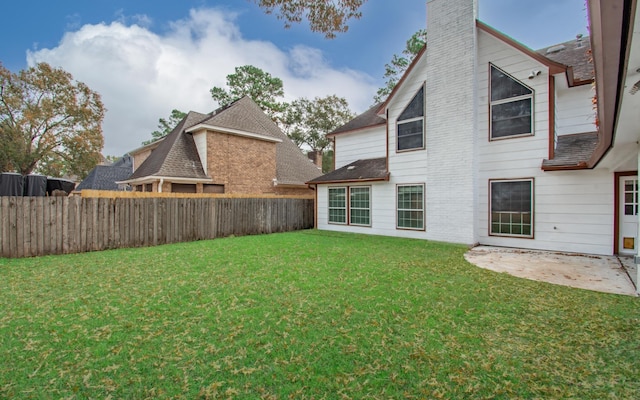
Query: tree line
pixel 52 124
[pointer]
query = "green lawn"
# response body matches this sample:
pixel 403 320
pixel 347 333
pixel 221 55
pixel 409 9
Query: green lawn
pixel 305 315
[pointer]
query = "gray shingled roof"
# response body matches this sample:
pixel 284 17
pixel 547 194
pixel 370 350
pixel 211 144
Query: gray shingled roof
pixel 367 119
pixel 574 53
pixel 104 177
pixel 177 155
pixel 573 150
pixel 361 170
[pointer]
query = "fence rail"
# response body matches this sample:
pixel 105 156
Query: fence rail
pixel 36 226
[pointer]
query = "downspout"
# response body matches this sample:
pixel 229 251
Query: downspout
pixel 160 185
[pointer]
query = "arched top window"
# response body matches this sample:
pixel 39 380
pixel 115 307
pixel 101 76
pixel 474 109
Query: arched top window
pixel 410 124
pixel 511 106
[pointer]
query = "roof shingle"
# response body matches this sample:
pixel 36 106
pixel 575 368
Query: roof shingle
pixel 177 155
pixel 573 150
pixel 372 169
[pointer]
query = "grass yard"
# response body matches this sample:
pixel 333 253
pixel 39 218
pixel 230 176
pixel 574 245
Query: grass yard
pixel 315 315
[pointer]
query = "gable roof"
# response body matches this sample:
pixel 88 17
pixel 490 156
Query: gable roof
pixel 104 177
pixel 177 155
pixel 367 119
pixel 367 170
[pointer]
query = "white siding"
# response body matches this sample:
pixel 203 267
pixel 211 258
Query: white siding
pixel 359 145
pixel 573 210
pixel 383 212
pixel 574 110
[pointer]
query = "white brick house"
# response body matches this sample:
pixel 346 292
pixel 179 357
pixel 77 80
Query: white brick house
pixel 487 141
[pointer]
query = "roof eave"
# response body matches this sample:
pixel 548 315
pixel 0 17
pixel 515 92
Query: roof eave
pixel 416 59
pixel 154 178
pixel 611 27
pixel 230 131
pixel 379 179
pixel 554 67
pixel 331 135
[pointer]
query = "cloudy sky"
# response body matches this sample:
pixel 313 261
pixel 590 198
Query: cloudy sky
pixel 147 57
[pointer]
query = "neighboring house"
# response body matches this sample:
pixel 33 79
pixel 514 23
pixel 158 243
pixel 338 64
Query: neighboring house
pixel 105 176
pixel 486 141
pixel 236 149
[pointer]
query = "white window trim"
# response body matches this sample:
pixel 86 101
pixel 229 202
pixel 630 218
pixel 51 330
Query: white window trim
pixel 424 219
pixel 517 236
pixel 510 100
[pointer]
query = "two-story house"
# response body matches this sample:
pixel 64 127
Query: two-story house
pixel 236 149
pixel 486 141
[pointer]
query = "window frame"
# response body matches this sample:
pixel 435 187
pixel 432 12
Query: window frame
pixel 531 235
pixel 345 208
pixel 351 207
pixel 423 210
pixel 421 118
pixel 348 207
pixel 510 100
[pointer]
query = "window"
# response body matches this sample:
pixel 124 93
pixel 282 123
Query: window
pixel 411 124
pixel 359 207
pixel 511 106
pixel 338 205
pixel 359 210
pixel 630 197
pixel 410 207
pixel 511 208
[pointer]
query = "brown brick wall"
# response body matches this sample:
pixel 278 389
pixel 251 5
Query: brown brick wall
pixel 293 191
pixel 139 158
pixel 241 164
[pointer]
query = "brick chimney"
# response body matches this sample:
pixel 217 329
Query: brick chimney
pixel 451 98
pixel 316 158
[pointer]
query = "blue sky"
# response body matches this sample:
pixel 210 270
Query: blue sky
pixel 147 57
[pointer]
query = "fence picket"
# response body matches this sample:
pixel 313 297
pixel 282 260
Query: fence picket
pixel 49 225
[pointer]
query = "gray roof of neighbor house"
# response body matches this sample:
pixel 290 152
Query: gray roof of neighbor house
pixel 372 169
pixel 367 119
pixel 572 150
pixel 178 157
pixel 575 53
pixel 104 177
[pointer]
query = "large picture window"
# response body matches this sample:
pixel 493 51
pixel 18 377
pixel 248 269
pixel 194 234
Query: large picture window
pixel 358 209
pixel 511 205
pixel 410 207
pixel 411 124
pixel 511 106
pixel 338 205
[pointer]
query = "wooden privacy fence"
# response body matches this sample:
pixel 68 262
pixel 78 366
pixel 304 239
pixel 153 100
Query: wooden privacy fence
pixel 35 226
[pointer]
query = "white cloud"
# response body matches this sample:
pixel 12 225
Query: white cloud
pixel 142 75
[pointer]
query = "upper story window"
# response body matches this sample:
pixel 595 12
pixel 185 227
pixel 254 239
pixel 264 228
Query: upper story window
pixel 511 106
pixel 411 124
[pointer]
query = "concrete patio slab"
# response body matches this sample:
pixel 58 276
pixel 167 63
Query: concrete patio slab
pixel 584 271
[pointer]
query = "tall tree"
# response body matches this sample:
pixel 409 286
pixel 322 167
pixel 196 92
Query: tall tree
pixel 399 64
pixel 165 126
pixel 251 81
pixel 52 123
pixel 325 16
pixel 309 121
